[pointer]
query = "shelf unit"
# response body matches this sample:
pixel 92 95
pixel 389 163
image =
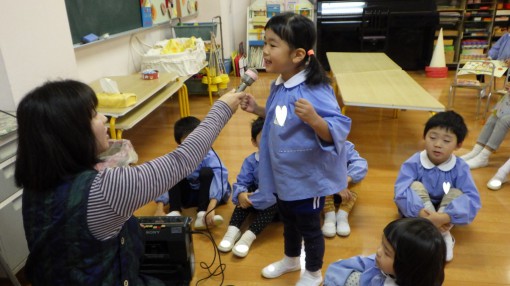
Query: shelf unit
pixel 467 28
pixel 477 30
pixel 451 17
pixel 258 13
pixel 501 20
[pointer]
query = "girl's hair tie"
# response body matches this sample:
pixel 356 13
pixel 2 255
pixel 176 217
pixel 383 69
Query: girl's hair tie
pixel 310 52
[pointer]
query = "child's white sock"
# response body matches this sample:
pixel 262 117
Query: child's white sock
pixel 243 245
pixel 310 278
pixel 480 160
pixel 342 223
pixel 278 268
pixel 329 226
pixel 476 149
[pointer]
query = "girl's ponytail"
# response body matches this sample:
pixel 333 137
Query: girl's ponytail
pixel 315 73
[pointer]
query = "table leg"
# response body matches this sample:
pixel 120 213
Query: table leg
pixel 184 101
pixel 113 134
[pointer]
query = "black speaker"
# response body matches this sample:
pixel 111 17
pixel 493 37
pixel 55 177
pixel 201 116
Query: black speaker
pixel 169 254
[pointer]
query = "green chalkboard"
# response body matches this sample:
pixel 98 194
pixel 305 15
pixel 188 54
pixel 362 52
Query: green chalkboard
pixel 102 16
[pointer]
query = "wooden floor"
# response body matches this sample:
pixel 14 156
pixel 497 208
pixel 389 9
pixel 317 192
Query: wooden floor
pixel 481 253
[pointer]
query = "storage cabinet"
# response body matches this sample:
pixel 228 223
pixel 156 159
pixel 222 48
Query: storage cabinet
pixel 13 245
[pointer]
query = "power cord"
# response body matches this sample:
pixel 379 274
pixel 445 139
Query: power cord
pixel 220 269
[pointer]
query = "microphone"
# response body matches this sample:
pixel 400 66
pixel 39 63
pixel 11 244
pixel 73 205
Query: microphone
pixel 249 76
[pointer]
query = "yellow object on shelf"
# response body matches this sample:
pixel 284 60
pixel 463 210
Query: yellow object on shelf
pixel 115 100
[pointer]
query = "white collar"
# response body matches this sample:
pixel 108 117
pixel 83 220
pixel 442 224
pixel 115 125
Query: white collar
pixel 293 81
pixel 445 167
pixel 257 156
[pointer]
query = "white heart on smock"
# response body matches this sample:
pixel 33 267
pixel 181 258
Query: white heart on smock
pixel 446 187
pixel 281 114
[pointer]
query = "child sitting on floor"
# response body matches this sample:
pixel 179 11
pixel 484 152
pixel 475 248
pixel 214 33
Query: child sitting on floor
pixel 338 223
pixel 247 200
pixel 205 188
pixel 434 183
pixel 412 252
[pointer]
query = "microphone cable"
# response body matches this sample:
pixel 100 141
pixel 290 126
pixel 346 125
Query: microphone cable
pixel 220 269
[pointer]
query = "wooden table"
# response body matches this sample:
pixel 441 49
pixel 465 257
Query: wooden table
pixel 360 62
pixel 393 89
pixel 150 94
pixel 374 80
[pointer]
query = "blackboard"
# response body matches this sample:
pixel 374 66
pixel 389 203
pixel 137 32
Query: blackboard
pixel 102 16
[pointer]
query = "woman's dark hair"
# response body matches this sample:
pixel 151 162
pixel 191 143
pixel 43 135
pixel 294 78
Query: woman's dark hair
pixel 420 252
pixel 184 126
pixel 55 137
pixel 451 121
pixel 299 32
pixel 256 127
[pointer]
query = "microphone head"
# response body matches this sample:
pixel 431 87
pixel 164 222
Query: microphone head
pixel 250 76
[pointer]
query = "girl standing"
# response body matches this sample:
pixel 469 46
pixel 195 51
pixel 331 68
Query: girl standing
pixel 302 156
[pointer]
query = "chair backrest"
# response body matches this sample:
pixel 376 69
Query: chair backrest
pixel 375 21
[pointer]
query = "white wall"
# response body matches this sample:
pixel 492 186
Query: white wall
pixel 36 45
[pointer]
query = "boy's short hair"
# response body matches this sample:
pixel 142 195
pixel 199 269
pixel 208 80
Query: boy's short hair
pixel 256 127
pixel 449 120
pixel 184 126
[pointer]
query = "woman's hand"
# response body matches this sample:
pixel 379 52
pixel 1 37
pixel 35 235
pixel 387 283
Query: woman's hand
pixel 233 99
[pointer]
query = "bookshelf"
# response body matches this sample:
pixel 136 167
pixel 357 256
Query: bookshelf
pixel 258 13
pixel 468 28
pixel 451 17
pixel 477 34
pixel 501 20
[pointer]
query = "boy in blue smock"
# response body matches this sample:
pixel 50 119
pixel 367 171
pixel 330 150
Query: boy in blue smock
pixel 436 184
pixel 205 188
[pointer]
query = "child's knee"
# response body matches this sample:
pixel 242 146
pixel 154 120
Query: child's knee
pixel 450 196
pixel 420 189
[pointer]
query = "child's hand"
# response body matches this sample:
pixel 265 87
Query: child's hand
pixel 209 218
pixel 248 103
pixel 438 219
pixel 244 201
pixel 305 111
pixel 346 195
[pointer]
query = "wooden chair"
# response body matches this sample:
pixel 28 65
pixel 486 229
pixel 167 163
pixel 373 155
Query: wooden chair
pixel 465 77
pixel 374 29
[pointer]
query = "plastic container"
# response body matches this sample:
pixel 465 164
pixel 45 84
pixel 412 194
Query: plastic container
pixel 198 30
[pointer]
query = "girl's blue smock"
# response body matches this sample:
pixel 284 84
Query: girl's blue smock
pixel 295 163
